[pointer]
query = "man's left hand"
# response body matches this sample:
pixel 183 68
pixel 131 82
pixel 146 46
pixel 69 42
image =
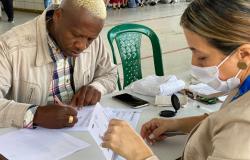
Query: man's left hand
pixel 87 95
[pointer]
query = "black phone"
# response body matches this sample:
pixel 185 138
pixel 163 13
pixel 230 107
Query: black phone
pixel 132 101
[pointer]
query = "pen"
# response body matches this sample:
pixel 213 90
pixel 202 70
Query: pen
pixel 57 100
pixel 168 134
pixel 172 134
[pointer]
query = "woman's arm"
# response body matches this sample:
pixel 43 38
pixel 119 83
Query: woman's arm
pixel 153 130
pixel 122 138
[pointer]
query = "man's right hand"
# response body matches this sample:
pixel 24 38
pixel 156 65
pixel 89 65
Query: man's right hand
pixel 55 116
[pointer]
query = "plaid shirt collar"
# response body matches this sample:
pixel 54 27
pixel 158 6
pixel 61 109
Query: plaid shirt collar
pixel 55 53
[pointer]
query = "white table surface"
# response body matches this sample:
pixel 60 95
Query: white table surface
pixel 169 149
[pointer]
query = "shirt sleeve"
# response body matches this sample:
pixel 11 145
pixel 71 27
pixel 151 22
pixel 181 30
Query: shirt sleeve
pixel 11 112
pixel 29 116
pixel 105 76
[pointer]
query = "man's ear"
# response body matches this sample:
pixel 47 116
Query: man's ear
pixel 57 15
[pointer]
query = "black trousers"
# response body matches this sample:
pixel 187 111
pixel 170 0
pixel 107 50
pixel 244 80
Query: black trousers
pixel 8 8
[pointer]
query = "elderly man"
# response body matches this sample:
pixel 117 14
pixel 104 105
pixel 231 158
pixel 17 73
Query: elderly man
pixel 54 63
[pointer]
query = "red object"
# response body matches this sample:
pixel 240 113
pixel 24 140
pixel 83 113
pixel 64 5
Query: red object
pixel 115 1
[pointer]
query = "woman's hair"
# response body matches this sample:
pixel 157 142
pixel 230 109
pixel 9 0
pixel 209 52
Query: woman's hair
pixel 225 24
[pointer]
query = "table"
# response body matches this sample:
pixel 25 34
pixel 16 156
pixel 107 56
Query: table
pixel 169 149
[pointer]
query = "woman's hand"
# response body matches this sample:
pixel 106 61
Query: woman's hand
pixel 122 139
pixel 154 130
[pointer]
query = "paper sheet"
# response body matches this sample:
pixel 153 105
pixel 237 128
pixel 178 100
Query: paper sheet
pixel 98 126
pixel 84 117
pixel 130 115
pixel 203 89
pixel 98 119
pixel 26 144
pixel 95 119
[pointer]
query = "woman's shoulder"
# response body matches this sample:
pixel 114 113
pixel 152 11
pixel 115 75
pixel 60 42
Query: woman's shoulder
pixel 235 112
pixel 228 130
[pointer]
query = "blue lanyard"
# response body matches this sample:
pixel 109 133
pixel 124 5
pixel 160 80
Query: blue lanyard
pixel 244 88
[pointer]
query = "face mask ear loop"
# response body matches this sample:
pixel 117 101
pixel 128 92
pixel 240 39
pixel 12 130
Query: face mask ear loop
pixel 226 59
pixel 221 63
pixel 238 73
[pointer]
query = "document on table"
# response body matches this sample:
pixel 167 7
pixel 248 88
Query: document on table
pixel 98 126
pixel 85 114
pixel 130 115
pixel 101 118
pixel 204 90
pixel 39 145
pixel 84 117
pixel 96 120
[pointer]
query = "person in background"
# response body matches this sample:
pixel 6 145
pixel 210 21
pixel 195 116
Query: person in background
pixel 218 34
pixel 116 3
pixel 9 10
pixel 47 3
pixel 139 3
pixel 124 3
pixel 0 10
pixel 54 64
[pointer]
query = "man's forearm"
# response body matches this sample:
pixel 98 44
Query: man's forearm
pixel 12 113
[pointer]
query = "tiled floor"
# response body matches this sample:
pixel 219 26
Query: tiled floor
pixel 162 18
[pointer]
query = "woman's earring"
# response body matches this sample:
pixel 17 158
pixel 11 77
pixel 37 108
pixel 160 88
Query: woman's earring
pixel 242 65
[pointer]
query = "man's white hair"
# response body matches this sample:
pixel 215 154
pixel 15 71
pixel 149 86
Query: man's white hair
pixel 96 7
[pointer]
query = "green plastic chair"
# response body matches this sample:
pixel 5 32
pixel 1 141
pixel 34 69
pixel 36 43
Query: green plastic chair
pixel 128 40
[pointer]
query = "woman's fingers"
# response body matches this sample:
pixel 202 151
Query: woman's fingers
pixel 106 144
pixel 149 127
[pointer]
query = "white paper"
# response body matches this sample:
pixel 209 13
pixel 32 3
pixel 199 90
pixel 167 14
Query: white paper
pixel 130 115
pixel 26 144
pixel 98 126
pixel 99 122
pixel 95 119
pixel 157 85
pixel 202 88
pixel 84 117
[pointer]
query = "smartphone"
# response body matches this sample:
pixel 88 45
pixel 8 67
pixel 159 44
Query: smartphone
pixel 132 101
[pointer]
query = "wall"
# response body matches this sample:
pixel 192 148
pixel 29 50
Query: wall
pixel 29 4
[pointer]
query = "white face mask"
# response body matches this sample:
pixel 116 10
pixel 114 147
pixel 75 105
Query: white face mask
pixel 210 76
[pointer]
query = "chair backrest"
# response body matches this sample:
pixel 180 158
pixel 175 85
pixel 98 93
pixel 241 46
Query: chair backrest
pixel 128 40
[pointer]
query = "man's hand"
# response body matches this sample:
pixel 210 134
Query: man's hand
pixel 87 95
pixel 55 116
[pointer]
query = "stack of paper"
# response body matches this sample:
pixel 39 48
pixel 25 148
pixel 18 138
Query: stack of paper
pixel 204 90
pixel 41 143
pixel 26 144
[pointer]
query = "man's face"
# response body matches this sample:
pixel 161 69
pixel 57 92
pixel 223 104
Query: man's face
pixel 75 30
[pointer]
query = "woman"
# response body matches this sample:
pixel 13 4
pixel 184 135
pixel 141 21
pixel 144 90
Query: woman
pixel 218 34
